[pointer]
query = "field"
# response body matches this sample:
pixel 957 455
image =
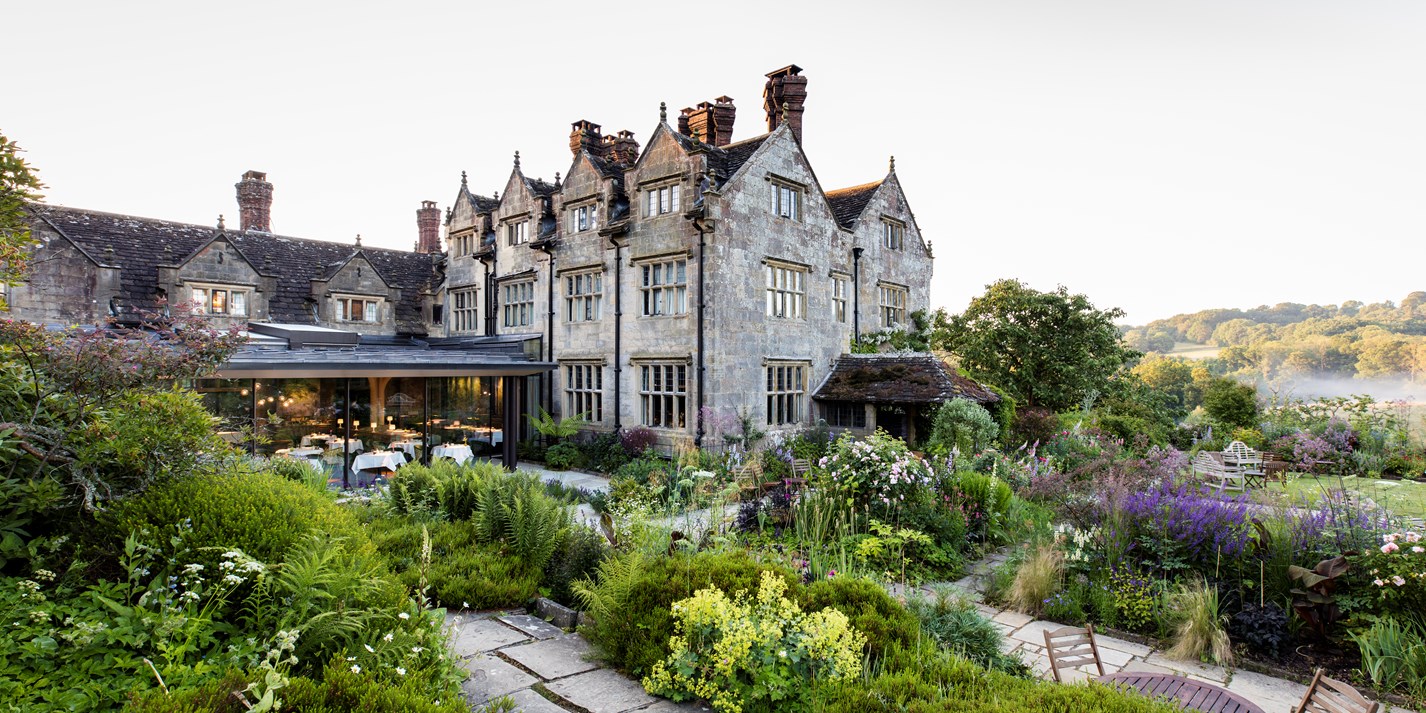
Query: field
pixel 1404 498
pixel 1189 350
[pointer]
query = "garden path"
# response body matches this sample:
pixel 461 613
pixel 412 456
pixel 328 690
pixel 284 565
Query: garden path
pixel 1024 637
pixel 541 668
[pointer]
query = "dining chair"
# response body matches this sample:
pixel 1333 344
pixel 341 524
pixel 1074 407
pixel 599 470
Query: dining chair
pixel 1072 647
pixel 1327 695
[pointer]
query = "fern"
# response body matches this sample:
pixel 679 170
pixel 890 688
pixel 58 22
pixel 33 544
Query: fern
pixel 534 526
pixel 326 592
pixel 607 593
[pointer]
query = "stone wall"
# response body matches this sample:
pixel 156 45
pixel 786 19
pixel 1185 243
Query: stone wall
pixel 65 286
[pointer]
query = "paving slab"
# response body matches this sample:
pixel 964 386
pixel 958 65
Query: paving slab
pixel 1271 694
pixel 602 691
pixel 1013 619
pixel 1192 669
pixel 491 678
pixel 1138 666
pixel 481 635
pixel 986 611
pixel 1128 647
pixel 1110 657
pixel 1034 632
pixel 553 658
pixel 532 626
pixel 529 701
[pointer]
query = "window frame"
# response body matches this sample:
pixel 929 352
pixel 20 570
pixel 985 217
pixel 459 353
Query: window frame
pixel 791 193
pixel 521 312
pixel 371 309
pixel 583 295
pixel 833 411
pixel 589 212
pixel 464 309
pixel 668 299
pixel 841 289
pixel 662 198
pixel 205 306
pixel 584 389
pixel 659 405
pixel 893 234
pixel 785 389
pixel 785 290
pixel 517 232
pixel 893 312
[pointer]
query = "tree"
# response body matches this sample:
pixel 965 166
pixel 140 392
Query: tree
pixel 18 186
pixel 964 425
pixel 1231 403
pixel 1046 349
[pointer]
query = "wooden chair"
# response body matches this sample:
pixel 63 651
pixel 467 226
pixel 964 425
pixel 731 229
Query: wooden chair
pixel 1327 695
pixel 1217 474
pixel 801 467
pixel 1072 647
pixel 749 478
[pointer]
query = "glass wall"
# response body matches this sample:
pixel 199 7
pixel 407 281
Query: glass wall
pixel 468 411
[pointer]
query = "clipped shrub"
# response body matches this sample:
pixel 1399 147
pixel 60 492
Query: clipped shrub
pixel 343 689
pixel 463 571
pixel 872 611
pixel 736 652
pixel 963 425
pixel 262 514
pixel 563 455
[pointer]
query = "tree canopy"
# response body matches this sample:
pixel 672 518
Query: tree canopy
pixel 1048 349
pixel 18 185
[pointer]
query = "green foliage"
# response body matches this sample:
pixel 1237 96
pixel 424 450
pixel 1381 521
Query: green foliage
pixel 144 437
pixel 1038 577
pixel 562 456
pixel 1231 403
pixel 1198 622
pixel 1045 348
pixel 297 471
pixel 1394 655
pixel 259 513
pixel 342 689
pixel 870 609
pixel 766 652
pixel 631 598
pixel 558 429
pixel 19 185
pixel 955 624
pixel 963 425
pixel 577 557
pixel 461 570
pixel 604 452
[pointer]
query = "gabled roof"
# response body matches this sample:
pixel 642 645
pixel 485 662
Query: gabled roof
pixel 726 160
pixel 912 378
pixel 219 234
pixel 336 267
pixel 140 245
pixel 538 187
pixel 848 203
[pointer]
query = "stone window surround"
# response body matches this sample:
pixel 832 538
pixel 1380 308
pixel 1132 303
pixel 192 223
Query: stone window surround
pixel 585 394
pixel 669 258
pixel 786 397
pixel 591 299
pixel 794 190
pixel 572 209
pixel 462 243
pixel 510 229
pixel 890 311
pixel 464 310
pixel 504 285
pixel 652 190
pixel 247 290
pixel 379 301
pixel 842 280
pixel 776 274
pixel 675 401
pixel 893 233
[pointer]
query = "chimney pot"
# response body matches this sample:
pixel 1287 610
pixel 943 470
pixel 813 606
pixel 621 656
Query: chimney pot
pixel 584 135
pixel 783 98
pixel 255 202
pixel 428 228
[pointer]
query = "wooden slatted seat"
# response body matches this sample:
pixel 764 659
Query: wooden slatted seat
pixel 1327 695
pixel 801 467
pixel 1216 474
pixel 1072 647
pixel 749 478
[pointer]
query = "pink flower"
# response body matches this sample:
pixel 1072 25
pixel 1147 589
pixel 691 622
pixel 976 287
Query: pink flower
pixel 1378 582
pixel 1398 581
pixel 1389 548
pixel 1390 538
pixel 1418 549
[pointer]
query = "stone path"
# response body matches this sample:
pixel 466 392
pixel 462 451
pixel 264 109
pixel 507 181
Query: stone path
pixel 541 668
pixel 1024 637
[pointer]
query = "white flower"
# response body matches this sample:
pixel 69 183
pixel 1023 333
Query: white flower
pixel 388 637
pixel 1418 549
pixel 233 579
pixel 351 658
pixel 417 649
pixel 1378 582
pixel 368 648
pixel 192 568
pixel 356 668
pixel 400 671
pixel 1398 581
pixel 403 615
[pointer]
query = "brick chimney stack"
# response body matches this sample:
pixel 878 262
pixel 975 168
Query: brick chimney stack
pixel 788 87
pixel 723 114
pixel 700 122
pixel 585 135
pixel 622 149
pixel 255 202
pixel 428 228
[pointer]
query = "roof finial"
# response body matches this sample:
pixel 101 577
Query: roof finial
pixel 557 179
pixel 220 222
pixel 663 112
pixel 785 109
pixel 696 139
pixel 893 164
pixel 517 159
pixel 462 179
pixel 495 195
pixel 358 239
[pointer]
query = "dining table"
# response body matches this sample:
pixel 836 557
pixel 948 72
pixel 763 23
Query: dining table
pixel 458 452
pixel 1182 692
pixel 300 452
pixel 379 460
pixel 407 446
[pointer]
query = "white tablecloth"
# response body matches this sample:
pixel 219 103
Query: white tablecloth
pixel 379 460
pixel 316 439
pixel 300 452
pixel 459 453
pixel 409 447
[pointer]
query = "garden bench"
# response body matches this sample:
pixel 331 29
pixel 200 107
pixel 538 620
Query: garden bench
pixel 1248 461
pixel 801 467
pixel 1327 695
pixel 1217 474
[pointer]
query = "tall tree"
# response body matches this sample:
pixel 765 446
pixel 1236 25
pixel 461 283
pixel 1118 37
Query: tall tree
pixel 1048 349
pixel 18 185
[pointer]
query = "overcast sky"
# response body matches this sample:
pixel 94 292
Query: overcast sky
pixel 1161 157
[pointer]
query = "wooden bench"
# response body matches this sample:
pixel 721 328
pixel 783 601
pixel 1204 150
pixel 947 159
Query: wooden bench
pixel 1217 474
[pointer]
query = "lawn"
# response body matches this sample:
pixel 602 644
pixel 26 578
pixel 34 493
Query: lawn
pixel 1402 497
pixel 1190 350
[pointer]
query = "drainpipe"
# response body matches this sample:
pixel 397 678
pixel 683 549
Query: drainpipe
pixel 546 380
pixel 618 329
pixel 700 227
pixel 856 293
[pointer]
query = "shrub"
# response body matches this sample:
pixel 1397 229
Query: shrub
pixel 562 456
pixel 462 570
pixel 1398 570
pixel 957 626
pixel 577 557
pixel 144 437
pixel 636 440
pixel 515 509
pixel 878 470
pixel 735 652
pixel 963 425
pixel 1038 577
pixel 344 689
pixel 1263 629
pixel 871 610
pixel 298 471
pixel 631 596
pixel 259 513
pixel 1034 424
pixel 604 452
pixel 1231 403
pixel 1199 633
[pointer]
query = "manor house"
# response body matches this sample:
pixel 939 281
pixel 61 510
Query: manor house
pixel 665 285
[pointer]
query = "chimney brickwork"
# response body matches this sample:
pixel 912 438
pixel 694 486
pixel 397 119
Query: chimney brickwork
pixel 785 92
pixel 428 228
pixel 585 135
pixel 255 202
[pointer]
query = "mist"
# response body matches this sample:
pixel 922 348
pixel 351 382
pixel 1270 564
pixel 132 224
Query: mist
pixel 1311 387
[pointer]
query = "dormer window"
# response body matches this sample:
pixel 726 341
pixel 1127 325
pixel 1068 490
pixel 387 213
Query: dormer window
pixel 893 234
pixel 358 309
pixel 220 301
pixel 659 200
pixel 582 218
pixel 517 233
pixel 786 199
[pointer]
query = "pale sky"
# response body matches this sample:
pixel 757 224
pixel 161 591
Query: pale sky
pixel 1161 157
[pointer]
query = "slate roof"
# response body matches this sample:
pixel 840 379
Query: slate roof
pixel 539 188
pixel 140 245
pixel 606 168
pixel 483 204
pixel 914 378
pixel 726 160
pixel 848 203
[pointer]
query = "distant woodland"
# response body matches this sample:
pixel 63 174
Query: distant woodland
pixel 1385 340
